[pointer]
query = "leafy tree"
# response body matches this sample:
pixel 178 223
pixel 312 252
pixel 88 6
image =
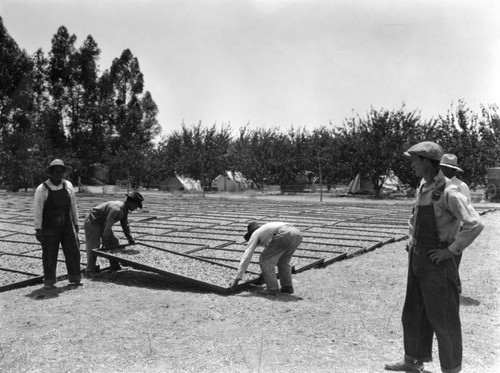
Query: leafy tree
pixel 373 146
pixel 15 106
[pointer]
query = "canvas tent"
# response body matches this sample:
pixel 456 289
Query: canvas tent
pixel 180 183
pixel 231 182
pixel 365 186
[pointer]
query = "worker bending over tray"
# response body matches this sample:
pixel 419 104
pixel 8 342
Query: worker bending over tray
pixel 99 223
pixel 280 240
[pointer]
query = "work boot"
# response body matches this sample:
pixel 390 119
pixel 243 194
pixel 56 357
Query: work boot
pixel 115 266
pixel 287 289
pixel 269 292
pixel 405 366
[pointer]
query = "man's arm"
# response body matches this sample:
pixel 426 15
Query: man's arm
pixel 471 222
pixel 38 204
pixel 247 256
pixel 126 229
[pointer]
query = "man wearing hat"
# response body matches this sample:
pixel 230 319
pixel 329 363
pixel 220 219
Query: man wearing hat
pixel 449 166
pixel 99 223
pixel 56 223
pixel 279 241
pixel 432 298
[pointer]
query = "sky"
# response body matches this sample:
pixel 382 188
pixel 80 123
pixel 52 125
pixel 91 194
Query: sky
pixel 284 63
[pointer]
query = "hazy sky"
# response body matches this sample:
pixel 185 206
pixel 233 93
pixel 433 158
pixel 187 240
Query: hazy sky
pixel 284 62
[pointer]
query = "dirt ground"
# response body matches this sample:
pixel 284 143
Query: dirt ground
pixel 342 318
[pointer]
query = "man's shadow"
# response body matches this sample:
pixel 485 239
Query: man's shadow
pixel 42 293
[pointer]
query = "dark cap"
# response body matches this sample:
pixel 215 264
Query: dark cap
pixel 136 197
pixel 426 149
pixel 252 227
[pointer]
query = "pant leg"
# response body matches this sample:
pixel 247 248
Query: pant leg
pixel 50 250
pixel 442 303
pixel 291 241
pixel 458 259
pixel 417 330
pixel 113 241
pixel 71 249
pixel 92 241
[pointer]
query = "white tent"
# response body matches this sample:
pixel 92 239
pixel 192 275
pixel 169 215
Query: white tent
pixel 231 182
pixel 365 186
pixel 177 183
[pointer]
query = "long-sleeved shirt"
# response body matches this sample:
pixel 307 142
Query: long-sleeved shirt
pixel 260 237
pixel 109 213
pixel 464 189
pixel 41 195
pixel 452 211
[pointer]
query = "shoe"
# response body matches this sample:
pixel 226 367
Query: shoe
pixel 115 266
pixel 269 292
pixel 76 283
pixel 287 290
pixel 49 287
pixel 405 366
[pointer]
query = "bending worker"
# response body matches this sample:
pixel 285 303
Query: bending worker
pixel 99 224
pixel 280 240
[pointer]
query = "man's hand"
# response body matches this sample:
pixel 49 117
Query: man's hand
pixel 39 235
pixel 436 256
pixel 131 241
pixel 234 283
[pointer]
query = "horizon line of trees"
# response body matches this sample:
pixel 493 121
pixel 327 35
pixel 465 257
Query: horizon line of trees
pixel 58 105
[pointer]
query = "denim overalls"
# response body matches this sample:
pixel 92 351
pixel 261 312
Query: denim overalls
pixel 432 298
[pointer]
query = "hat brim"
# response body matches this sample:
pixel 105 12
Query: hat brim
pixel 67 169
pixel 139 204
pixel 451 166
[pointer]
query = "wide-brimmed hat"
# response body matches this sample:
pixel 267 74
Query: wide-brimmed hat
pixel 58 163
pixel 252 227
pixel 136 197
pixel 426 149
pixel 451 161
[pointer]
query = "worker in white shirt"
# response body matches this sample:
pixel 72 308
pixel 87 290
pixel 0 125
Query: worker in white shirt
pixel 56 223
pixel 450 169
pixel 449 166
pixel 280 240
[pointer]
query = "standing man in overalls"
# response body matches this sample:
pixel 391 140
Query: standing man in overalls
pixel 432 298
pixel 56 223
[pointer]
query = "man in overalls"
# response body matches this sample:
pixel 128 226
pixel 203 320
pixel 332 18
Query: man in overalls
pixel 56 223
pixel 432 297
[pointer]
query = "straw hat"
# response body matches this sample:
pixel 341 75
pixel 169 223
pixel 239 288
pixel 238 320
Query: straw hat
pixel 451 161
pixel 58 163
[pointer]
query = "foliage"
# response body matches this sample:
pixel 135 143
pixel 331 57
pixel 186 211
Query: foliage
pixel 59 105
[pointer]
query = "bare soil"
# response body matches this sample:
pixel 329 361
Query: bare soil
pixel 342 318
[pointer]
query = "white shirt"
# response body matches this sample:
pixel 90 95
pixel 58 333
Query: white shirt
pixel 464 189
pixel 41 195
pixel 260 237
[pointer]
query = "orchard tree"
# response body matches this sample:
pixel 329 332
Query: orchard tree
pixel 373 146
